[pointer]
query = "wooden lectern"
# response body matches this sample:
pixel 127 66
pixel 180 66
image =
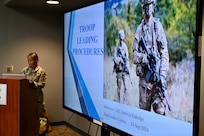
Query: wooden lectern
pixel 18 117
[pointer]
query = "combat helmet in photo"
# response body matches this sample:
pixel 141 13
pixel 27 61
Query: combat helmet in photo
pixel 145 2
pixel 121 34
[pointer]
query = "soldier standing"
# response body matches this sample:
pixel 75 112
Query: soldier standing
pixel 37 78
pixel 121 64
pixel 151 30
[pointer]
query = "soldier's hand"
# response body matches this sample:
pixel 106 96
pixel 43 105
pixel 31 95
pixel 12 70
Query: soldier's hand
pixel 118 60
pixel 145 59
pixel 154 78
pixel 30 81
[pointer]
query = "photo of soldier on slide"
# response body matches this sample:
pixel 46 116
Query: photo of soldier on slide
pixel 155 69
pixel 150 55
pixel 121 65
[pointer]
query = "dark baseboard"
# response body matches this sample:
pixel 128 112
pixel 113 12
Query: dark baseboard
pixel 58 123
pixel 79 131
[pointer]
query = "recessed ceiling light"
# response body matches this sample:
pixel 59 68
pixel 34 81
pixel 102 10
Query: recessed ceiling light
pixel 52 2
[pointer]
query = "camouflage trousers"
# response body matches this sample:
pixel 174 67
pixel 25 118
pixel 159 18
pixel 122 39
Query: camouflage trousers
pixel 40 108
pixel 149 96
pixel 121 83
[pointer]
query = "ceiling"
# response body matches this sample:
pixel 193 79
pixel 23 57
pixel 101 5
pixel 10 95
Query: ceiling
pixel 64 6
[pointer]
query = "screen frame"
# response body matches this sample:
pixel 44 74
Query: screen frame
pixel 199 6
pixel 199 15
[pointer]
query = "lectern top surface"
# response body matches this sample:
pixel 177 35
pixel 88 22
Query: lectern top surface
pixel 13 76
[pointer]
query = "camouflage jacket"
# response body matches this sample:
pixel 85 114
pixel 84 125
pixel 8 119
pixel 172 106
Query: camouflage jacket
pixel 37 75
pixel 121 57
pixel 154 36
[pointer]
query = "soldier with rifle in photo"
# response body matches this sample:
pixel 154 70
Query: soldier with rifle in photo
pixel 150 55
pixel 121 64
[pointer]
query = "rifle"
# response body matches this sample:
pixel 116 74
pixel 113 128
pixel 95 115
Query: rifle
pixel 152 75
pixel 124 66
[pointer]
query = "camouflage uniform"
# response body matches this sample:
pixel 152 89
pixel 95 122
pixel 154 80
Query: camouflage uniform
pixel 121 64
pixel 38 76
pixel 154 36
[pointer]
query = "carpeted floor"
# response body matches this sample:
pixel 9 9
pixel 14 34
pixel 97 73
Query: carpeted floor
pixel 62 130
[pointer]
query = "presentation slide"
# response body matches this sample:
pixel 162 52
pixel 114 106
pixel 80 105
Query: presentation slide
pixel 95 86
